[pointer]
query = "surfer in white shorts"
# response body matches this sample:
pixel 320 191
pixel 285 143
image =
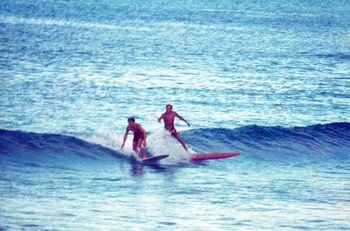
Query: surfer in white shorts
pixel 168 117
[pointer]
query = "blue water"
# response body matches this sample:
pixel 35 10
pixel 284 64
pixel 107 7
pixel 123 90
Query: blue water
pixel 267 79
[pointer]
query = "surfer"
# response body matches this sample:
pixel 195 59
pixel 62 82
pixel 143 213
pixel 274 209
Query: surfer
pixel 168 117
pixel 139 140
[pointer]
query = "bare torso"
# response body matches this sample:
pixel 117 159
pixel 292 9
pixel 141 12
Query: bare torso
pixel 169 118
pixel 135 128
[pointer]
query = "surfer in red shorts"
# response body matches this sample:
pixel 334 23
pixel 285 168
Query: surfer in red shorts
pixel 139 140
pixel 168 117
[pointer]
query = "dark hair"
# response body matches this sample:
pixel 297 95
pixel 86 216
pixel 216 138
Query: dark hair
pixel 132 119
pixel 169 106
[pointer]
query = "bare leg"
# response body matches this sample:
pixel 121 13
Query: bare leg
pixel 178 137
pixel 134 148
pixel 142 150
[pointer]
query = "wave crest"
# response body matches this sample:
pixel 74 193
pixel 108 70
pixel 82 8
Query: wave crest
pixel 254 141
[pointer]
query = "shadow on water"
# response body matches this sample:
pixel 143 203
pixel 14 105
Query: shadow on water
pixel 138 169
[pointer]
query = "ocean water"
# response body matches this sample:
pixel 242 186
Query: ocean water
pixel 267 79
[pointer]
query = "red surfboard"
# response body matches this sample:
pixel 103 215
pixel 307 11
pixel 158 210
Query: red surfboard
pixel 214 155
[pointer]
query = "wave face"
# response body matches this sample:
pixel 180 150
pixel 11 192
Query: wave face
pixel 55 150
pixel 252 141
pixel 326 139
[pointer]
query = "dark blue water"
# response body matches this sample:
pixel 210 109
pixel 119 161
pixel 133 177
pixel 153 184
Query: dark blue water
pixel 267 79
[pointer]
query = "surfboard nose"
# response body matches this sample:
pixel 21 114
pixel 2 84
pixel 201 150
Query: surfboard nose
pixel 214 155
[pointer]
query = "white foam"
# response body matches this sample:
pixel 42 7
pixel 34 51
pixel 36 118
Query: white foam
pixel 162 143
pixel 111 140
pixel 158 143
pixel 55 22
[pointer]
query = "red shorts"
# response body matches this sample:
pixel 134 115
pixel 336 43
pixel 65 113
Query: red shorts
pixel 173 132
pixel 137 136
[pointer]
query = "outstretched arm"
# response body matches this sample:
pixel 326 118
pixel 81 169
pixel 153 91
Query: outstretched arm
pixel 125 137
pixel 183 119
